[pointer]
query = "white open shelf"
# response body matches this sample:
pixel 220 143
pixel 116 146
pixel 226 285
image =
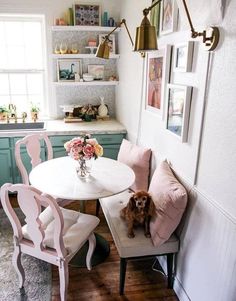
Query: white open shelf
pixel 80 56
pixel 83 28
pixel 92 83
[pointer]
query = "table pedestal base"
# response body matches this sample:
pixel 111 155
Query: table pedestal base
pixel 101 252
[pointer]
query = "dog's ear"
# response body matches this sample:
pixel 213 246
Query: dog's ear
pixel 131 203
pixel 151 206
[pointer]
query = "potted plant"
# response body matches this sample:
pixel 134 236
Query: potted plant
pixel 3 112
pixel 34 110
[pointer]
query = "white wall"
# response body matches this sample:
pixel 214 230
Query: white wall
pixel 207 259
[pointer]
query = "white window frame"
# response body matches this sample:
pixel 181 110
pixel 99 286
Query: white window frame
pixel 44 71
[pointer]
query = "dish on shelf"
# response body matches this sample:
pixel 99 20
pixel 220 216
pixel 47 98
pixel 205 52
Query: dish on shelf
pixel 88 77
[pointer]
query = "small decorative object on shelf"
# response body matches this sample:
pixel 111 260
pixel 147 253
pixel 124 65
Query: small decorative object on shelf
pixel 66 69
pixel 77 77
pixel 111 22
pixel 74 48
pixel 57 49
pixel 69 113
pixel 92 42
pixel 87 15
pixel 113 78
pixel 105 18
pixel 88 112
pixel 63 48
pixel 92 49
pixel 84 150
pixel 102 109
pixel 88 77
pixel 97 71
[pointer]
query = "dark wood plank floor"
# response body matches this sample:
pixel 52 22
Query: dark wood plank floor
pixel 102 282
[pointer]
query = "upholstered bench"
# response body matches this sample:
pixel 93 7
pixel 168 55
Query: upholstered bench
pixel 139 246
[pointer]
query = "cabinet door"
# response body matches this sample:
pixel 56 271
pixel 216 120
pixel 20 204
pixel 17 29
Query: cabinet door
pixel 111 151
pixel 5 170
pixel 59 152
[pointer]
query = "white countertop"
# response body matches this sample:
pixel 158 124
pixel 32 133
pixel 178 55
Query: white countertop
pixel 59 127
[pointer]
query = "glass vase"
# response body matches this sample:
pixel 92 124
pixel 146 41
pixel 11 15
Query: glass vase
pixel 84 168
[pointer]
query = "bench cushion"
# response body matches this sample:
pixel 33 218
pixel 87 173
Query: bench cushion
pixel 137 158
pixel 170 198
pixel 139 245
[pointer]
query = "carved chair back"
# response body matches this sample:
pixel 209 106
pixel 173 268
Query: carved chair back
pixel 31 201
pixel 33 148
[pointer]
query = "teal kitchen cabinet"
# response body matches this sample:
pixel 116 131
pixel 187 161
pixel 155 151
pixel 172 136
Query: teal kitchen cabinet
pixel 6 175
pixel 58 145
pixel 110 143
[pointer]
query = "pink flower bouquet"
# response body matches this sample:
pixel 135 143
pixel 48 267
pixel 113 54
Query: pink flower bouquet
pixel 83 148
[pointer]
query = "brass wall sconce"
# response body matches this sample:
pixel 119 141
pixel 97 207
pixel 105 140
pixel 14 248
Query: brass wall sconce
pixel 103 50
pixel 146 38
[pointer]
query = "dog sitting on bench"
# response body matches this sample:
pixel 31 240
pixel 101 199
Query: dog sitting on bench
pixel 139 210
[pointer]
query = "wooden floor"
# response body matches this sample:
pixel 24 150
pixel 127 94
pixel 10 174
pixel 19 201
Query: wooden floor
pixel 102 282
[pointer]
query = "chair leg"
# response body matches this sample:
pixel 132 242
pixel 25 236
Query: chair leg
pixel 170 263
pixel 16 261
pixel 92 245
pixel 64 279
pixel 123 264
pixel 97 207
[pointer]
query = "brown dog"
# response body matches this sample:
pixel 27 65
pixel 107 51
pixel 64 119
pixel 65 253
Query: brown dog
pixel 139 211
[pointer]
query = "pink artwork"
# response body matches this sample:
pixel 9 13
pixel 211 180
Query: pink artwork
pixel 155 70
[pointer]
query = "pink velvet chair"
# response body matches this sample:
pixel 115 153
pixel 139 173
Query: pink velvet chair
pixel 33 148
pixel 53 235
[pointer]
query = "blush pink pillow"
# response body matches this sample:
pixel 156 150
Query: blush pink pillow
pixel 137 158
pixel 170 198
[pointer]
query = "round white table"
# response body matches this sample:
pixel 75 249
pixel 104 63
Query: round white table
pixel 58 178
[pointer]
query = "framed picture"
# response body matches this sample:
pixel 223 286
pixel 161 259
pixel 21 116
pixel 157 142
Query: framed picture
pixel 87 14
pixel 112 42
pixel 155 16
pixel 168 16
pixel 158 73
pixel 66 69
pixel 183 57
pixel 97 71
pixel 178 108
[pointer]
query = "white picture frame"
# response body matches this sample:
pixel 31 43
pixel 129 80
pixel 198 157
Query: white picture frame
pixel 183 57
pixel 67 68
pixel 87 14
pixel 168 17
pixel 157 76
pixel 112 42
pixel 97 71
pixel 178 110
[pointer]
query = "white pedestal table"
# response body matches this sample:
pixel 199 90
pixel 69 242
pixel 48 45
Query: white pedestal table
pixel 58 178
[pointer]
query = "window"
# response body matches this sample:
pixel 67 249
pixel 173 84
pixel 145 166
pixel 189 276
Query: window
pixel 22 62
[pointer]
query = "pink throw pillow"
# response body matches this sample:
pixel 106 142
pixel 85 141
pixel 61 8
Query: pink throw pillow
pixel 170 198
pixel 137 158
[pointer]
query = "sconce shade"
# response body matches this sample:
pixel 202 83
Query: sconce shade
pixel 103 50
pixel 146 36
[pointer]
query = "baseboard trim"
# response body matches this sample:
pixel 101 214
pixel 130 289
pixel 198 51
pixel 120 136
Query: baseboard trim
pixel 179 290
